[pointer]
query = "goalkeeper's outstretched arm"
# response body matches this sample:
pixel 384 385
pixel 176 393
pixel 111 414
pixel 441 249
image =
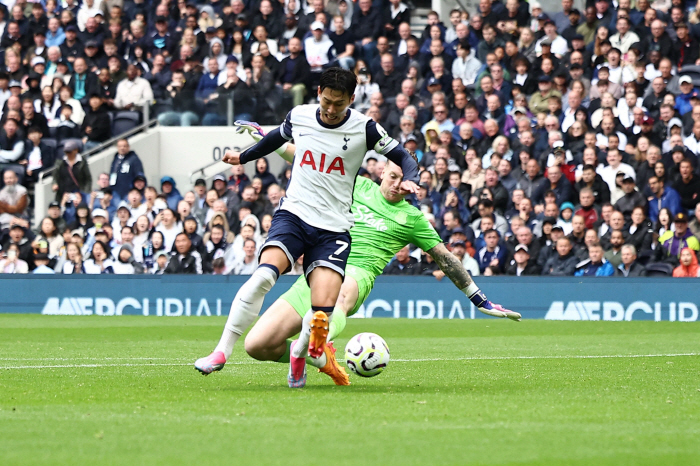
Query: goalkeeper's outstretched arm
pixel 454 270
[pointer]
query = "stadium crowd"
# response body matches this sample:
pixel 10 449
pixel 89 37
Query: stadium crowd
pixel 562 143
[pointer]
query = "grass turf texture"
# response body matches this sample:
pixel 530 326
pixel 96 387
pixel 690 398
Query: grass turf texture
pixel 145 404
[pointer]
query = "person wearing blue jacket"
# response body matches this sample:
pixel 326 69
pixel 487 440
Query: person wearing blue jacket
pixel 172 195
pixel 663 196
pixel 126 166
pixel 595 265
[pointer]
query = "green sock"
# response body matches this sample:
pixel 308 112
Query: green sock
pixel 285 357
pixel 337 324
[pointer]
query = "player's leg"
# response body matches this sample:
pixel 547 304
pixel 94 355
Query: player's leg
pixel 268 339
pixel 325 270
pixel 278 253
pixel 325 287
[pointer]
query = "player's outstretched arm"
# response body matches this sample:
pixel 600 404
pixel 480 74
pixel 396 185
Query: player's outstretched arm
pixel 455 271
pixel 256 132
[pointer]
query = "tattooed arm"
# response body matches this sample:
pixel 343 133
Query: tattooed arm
pixel 451 266
pixel 455 271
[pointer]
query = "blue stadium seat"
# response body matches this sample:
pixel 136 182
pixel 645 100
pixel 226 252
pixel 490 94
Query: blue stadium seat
pixel 124 121
pixel 659 269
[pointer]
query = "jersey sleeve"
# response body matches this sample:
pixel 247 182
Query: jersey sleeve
pixel 286 127
pixel 423 234
pixel 378 139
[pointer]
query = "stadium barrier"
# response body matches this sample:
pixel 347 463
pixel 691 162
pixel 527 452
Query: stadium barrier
pixel 659 299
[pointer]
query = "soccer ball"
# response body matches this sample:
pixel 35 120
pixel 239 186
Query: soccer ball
pixel 366 354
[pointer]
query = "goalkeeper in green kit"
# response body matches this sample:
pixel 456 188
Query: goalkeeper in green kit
pixel 384 223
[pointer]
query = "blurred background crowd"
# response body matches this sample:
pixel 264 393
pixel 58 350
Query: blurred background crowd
pixel 560 142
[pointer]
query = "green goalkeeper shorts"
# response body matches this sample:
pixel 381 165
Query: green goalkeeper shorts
pixel 299 295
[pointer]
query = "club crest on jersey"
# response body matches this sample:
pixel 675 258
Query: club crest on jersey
pixel 346 139
pixel 335 165
pixel 401 218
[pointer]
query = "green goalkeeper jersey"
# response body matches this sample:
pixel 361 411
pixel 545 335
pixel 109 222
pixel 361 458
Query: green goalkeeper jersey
pixel 382 229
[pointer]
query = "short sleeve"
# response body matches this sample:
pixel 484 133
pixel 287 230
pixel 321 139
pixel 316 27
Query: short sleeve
pixel 378 139
pixel 423 234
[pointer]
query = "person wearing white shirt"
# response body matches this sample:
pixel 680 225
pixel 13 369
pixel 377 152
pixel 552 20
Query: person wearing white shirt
pixel 318 48
pixel 559 46
pixel 625 108
pixel 618 74
pixel 615 165
pixel 166 224
pixel 570 112
pixel 248 263
pixel 133 91
pixel 624 39
pixel 692 142
pixel 466 66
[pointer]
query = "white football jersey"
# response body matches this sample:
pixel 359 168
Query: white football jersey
pixel 326 161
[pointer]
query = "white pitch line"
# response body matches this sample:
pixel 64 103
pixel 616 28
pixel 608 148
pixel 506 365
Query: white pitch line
pixel 602 356
pixel 488 358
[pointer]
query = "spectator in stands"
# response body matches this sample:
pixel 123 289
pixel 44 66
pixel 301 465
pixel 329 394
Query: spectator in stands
pixel 367 27
pixel 183 259
pixel 166 223
pixel 82 81
pixel 663 197
pixel 613 254
pixel 134 92
pixel 42 261
pixel 72 172
pixel 493 254
pixel 11 263
pixel 126 166
pixel 688 265
pixel 169 189
pixel 672 242
pixel 687 185
pixel 97 125
pixel 595 265
pixel 403 264
pixel 563 261
pixel 246 264
pixel 632 198
pixel 629 266
pixel 125 263
pixel 641 231
pixel 521 264
pixel 295 72
pixel 239 91
pixel 38 156
pixel 99 261
pixel 18 238
pixel 11 144
pixel 13 201
pixel 183 103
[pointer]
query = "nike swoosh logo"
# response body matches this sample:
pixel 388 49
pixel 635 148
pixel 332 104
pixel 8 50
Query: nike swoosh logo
pixel 302 134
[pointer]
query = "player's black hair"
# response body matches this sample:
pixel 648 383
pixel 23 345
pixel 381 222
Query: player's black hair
pixel 338 79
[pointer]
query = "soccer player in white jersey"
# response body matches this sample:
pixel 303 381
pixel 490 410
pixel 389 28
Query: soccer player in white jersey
pixel 314 217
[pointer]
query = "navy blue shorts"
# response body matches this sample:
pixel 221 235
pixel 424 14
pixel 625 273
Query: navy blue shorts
pixel 321 248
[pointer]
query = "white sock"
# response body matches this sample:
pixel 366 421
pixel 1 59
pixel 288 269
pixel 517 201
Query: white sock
pixel 301 348
pixel 317 362
pixel 246 307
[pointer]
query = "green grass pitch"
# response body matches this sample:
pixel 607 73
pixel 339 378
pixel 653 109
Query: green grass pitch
pixel 123 391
